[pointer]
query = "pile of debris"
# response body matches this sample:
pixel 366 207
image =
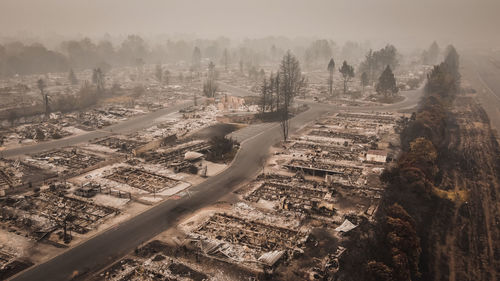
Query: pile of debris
pixel 43 131
pixel 249 243
pixel 295 194
pixel 160 261
pixel 15 173
pixel 45 212
pixel 141 179
pixel 125 145
pixel 323 167
pixel 175 157
pixel 69 159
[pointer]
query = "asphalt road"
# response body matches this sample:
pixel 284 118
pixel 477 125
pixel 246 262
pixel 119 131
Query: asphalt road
pixel 109 246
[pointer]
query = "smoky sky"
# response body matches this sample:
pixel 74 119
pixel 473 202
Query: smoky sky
pixel 467 22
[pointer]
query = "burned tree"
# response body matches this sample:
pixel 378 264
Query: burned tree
pixel 196 63
pixel 225 59
pixel 72 77
pixel 290 85
pixel 368 66
pixel 271 91
pixel 210 85
pixel 241 66
pixel 159 73
pixel 45 98
pixel 264 92
pixel 262 74
pixel 98 79
pixel 331 69
pixel 364 81
pixel 166 77
pixel 347 72
pixel 41 85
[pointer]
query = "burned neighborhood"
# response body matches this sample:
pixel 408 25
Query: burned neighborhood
pixel 249 140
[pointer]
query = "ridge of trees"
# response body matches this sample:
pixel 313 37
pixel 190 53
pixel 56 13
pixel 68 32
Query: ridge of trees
pixel 411 182
pixel 133 50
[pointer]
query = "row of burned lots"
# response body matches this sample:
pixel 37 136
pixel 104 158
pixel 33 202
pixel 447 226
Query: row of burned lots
pixel 327 177
pixel 16 173
pixel 69 159
pixel 243 243
pixel 44 213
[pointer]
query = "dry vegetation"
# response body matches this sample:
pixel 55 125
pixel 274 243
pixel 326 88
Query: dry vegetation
pixel 439 216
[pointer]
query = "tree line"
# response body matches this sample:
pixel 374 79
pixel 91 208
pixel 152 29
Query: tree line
pixel 376 68
pixel 20 58
pixel 395 249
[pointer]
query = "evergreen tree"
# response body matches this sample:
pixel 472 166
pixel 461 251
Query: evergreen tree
pixel 452 61
pixel 387 83
pixel 432 54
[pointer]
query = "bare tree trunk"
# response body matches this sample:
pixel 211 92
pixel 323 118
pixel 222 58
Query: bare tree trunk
pixel 330 83
pixel 291 84
pixel 277 92
pixel 284 115
pixel 284 124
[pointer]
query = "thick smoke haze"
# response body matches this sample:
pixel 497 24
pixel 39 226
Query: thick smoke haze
pixel 463 22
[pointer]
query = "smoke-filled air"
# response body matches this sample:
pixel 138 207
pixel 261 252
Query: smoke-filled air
pixel 221 140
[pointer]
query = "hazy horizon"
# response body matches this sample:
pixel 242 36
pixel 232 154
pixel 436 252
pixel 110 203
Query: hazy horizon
pixel 462 22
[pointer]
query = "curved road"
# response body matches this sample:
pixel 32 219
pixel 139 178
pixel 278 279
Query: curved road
pixel 94 254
